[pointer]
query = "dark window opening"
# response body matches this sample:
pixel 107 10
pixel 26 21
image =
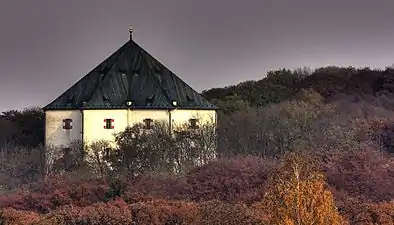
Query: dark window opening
pixel 148 123
pixel 67 124
pixel 109 124
pixel 193 123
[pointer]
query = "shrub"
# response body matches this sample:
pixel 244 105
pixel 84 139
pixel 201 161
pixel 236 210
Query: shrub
pixel 112 213
pixel 56 191
pixel 158 212
pixel 237 179
pixel 217 213
pixel 365 173
pixel 360 213
pixel 10 216
pixel 20 165
pixel 160 186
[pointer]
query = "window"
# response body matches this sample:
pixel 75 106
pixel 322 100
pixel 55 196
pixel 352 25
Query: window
pixel 148 123
pixel 193 123
pixel 109 124
pixel 67 124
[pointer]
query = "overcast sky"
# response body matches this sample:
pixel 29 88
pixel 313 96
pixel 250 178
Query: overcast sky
pixel 48 45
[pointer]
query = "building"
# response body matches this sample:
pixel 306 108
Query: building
pixel 128 87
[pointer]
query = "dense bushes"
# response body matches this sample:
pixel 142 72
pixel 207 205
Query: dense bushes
pixel 56 191
pixel 112 213
pixel 241 179
pixel 240 190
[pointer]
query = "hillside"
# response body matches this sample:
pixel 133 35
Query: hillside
pixel 333 83
pixel 319 142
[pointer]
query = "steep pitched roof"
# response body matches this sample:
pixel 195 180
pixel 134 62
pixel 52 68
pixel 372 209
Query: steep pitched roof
pixel 130 74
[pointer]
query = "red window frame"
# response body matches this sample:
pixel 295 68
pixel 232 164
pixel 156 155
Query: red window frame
pixel 109 124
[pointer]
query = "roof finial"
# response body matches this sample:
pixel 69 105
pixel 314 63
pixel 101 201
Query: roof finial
pixel 131 30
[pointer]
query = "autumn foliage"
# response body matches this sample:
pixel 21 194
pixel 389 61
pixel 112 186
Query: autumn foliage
pixel 295 194
pixel 294 148
pixel 299 196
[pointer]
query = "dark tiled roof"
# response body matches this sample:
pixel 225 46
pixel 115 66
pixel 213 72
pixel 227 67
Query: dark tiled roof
pixel 130 74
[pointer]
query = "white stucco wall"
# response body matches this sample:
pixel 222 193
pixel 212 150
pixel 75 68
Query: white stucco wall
pixel 55 135
pixel 138 115
pixel 93 126
pixel 182 116
pixel 94 122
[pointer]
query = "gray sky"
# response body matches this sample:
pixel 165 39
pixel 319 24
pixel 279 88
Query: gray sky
pixel 47 45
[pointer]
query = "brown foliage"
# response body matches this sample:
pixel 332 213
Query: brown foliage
pixel 361 213
pixel 19 165
pixel 377 214
pixel 56 191
pixel 217 213
pixel 239 179
pixel 10 216
pixel 112 213
pixel 366 173
pixel 159 212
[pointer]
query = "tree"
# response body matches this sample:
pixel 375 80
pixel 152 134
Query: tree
pixel 141 150
pixel 29 127
pixel 299 195
pixel 231 104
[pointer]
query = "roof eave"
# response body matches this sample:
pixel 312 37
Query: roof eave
pixel 125 107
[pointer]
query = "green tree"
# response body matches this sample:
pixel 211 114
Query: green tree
pixel 29 127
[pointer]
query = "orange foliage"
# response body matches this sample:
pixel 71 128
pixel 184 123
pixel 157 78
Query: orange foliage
pixel 299 196
pixel 217 212
pixel 160 212
pixel 112 213
pixel 9 216
pixel 295 193
pixel 372 213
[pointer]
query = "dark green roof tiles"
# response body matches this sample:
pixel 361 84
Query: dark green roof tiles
pixel 130 74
